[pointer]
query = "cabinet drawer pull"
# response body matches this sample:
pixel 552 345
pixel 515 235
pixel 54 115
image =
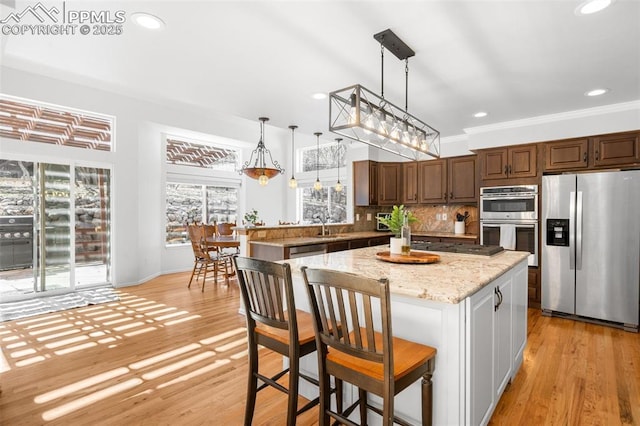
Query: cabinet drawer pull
pixel 584 157
pixel 597 155
pixel 506 169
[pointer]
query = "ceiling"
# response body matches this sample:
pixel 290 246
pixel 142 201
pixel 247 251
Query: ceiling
pixel 514 59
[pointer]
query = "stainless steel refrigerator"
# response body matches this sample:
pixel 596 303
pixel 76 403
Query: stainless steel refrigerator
pixel 591 246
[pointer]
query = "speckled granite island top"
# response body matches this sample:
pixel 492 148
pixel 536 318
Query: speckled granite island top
pixel 454 278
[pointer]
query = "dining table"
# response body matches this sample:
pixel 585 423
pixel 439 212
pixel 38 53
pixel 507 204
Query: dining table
pixel 222 241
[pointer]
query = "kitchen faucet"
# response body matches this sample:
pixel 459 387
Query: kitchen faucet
pixel 323 216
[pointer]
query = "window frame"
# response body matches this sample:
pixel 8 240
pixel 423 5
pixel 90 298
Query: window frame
pixel 202 176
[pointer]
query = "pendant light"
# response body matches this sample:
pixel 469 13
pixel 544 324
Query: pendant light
pixel 359 114
pixel 339 186
pixel 293 183
pixel 260 170
pixel 317 186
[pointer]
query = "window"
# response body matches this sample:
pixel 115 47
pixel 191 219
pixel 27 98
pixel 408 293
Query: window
pixel 31 121
pixel 327 201
pixel 312 204
pixel 205 192
pixel 327 157
pixel 186 204
pixel 200 155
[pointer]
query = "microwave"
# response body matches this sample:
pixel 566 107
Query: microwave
pixel 380 226
pixel 518 202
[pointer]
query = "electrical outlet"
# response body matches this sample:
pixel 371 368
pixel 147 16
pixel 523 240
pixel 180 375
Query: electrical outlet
pixel 357 217
pixel 369 216
pixel 444 216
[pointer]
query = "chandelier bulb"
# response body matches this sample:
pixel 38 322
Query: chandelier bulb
pixel 263 180
pixel 293 183
pixel 338 187
pixel 318 185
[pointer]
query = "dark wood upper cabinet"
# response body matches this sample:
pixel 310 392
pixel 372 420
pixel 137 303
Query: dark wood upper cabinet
pixel 523 161
pixel 519 161
pixel 615 149
pixel 447 180
pixel 389 183
pixel 462 179
pixel 604 151
pixel 432 181
pixel 494 164
pixel 567 154
pixel 365 183
pixel 410 182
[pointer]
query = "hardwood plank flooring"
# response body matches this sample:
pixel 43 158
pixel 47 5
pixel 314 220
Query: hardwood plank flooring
pixel 165 354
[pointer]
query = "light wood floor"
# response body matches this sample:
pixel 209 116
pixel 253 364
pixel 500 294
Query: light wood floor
pixel 165 354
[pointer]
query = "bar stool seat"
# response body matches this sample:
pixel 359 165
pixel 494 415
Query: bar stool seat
pixel 306 333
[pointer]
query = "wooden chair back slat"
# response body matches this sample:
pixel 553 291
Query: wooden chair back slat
pixel 196 237
pixel 265 290
pixel 351 312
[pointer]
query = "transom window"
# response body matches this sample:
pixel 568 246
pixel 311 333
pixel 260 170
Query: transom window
pixel 193 154
pixel 31 121
pixel 328 156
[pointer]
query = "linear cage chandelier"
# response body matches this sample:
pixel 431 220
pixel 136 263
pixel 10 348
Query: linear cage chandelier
pixel 258 168
pixel 361 115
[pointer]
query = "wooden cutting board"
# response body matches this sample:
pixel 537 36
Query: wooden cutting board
pixel 414 257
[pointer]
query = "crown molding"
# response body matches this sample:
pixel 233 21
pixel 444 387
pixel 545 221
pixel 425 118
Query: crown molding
pixel 563 116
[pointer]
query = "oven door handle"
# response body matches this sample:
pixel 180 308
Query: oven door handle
pixel 507 197
pixel 517 224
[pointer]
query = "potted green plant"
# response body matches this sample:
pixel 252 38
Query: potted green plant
pixel 394 222
pixel 251 217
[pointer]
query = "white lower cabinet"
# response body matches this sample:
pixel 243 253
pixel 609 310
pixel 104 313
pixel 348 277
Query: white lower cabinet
pixel 496 336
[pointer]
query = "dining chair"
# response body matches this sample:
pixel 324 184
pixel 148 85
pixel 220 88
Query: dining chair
pixel 225 229
pixel 273 322
pixel 203 262
pixel 223 260
pixel 365 353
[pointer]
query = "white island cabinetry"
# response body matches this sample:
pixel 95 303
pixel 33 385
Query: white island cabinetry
pixel 453 306
pixel 496 336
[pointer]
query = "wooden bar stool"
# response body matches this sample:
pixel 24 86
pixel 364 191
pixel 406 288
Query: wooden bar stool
pixel 273 322
pixel 374 361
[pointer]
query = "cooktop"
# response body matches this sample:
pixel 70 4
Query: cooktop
pixel 482 250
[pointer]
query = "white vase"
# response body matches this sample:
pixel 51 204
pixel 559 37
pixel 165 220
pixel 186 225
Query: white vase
pixel 396 245
pixel 459 227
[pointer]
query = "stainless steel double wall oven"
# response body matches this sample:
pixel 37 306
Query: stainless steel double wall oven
pixel 509 218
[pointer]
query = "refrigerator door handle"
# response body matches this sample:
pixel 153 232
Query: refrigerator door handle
pixel 579 231
pixel 572 231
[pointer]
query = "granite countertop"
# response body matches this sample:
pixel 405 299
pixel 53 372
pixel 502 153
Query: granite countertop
pixel 443 235
pixel 454 278
pixel 305 241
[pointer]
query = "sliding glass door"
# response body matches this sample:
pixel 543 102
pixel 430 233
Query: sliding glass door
pixel 55 228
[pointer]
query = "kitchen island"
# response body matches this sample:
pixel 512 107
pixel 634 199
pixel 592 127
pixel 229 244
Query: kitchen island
pixel 472 309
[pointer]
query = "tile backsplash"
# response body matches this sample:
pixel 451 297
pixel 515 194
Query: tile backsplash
pixel 430 217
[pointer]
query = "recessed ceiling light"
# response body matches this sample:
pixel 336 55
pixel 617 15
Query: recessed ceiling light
pixel 480 114
pixel 319 96
pixel 596 92
pixel 146 20
pixel 592 6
